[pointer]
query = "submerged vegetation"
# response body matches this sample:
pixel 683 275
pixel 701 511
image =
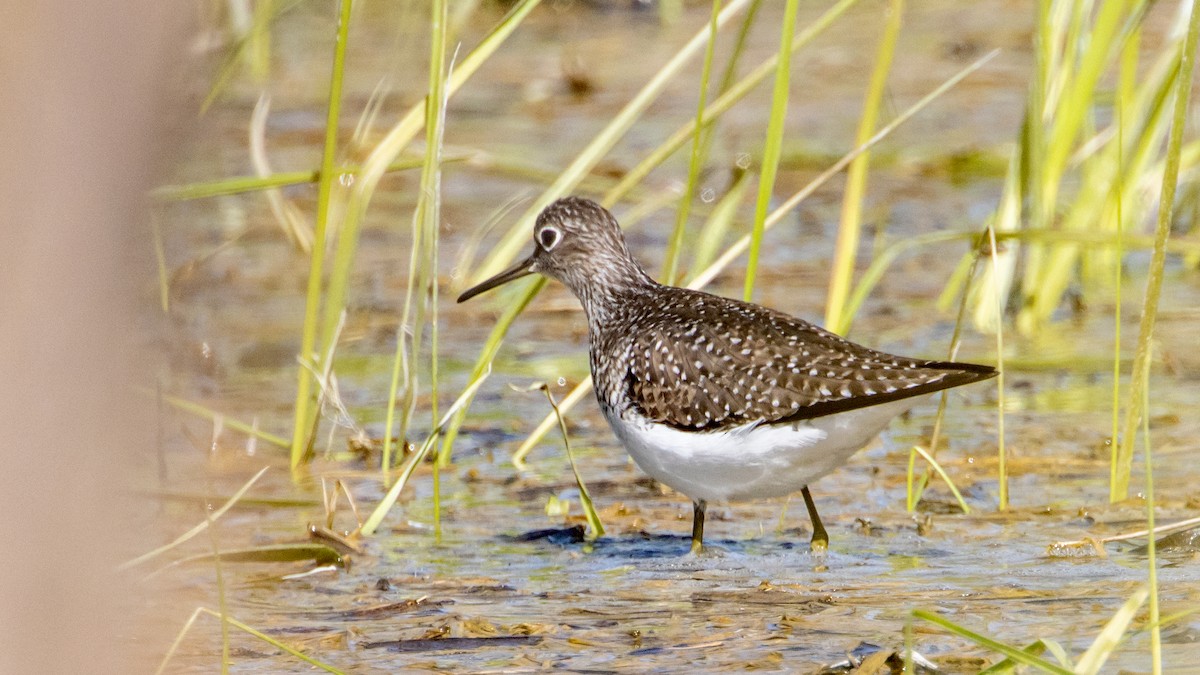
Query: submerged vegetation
pixel 1086 205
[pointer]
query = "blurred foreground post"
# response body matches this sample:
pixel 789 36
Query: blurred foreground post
pixel 85 98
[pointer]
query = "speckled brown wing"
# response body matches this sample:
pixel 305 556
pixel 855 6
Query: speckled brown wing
pixel 703 362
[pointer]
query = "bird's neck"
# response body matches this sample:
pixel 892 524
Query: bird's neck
pixel 606 291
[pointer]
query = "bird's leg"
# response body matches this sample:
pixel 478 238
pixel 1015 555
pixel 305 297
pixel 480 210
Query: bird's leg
pixel 820 539
pixel 698 507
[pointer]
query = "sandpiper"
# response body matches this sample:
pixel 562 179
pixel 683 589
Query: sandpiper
pixel 719 399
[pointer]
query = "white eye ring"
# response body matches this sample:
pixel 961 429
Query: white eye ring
pixel 548 237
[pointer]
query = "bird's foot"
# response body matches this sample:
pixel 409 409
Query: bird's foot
pixel 697 552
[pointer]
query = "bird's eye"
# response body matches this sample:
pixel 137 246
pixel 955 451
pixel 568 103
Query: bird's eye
pixel 549 237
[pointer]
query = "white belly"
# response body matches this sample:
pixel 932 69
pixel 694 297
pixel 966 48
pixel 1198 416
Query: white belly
pixel 752 461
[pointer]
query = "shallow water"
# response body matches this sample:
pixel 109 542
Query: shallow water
pixel 481 597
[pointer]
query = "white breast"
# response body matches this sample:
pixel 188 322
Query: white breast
pixel 752 461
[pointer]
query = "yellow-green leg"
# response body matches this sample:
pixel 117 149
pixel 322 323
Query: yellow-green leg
pixel 820 539
pixel 698 507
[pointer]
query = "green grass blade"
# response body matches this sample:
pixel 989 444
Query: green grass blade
pixel 729 77
pixel 585 498
pixel 243 184
pixel 212 415
pixel 258 42
pixel 320 554
pixel 304 408
pixel 371 524
pixel 399 371
pixel 873 275
pixel 1001 449
pixel 422 266
pixel 1061 152
pixel 962 503
pixel 1124 94
pixel 914 491
pixel 200 527
pixel 1151 543
pixel 689 192
pixel 170 653
pixel 1106 642
pixel 1102 45
pixel 773 146
pixel 576 395
pixel 849 229
pixel 405 362
pixel 1001 268
pixel 430 207
pixel 1007 665
pixel 264 14
pixel 160 266
pixel 1166 210
pixel 1014 653
pixel 273 642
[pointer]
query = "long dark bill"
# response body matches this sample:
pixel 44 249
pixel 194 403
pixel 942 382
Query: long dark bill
pixel 523 268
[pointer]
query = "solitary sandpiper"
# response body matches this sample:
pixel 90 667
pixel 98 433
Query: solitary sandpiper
pixel 720 399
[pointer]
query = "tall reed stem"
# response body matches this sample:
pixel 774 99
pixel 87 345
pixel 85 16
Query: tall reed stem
pixel 306 397
pixel 773 146
pixel 1166 208
pixel 689 192
pixel 837 319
